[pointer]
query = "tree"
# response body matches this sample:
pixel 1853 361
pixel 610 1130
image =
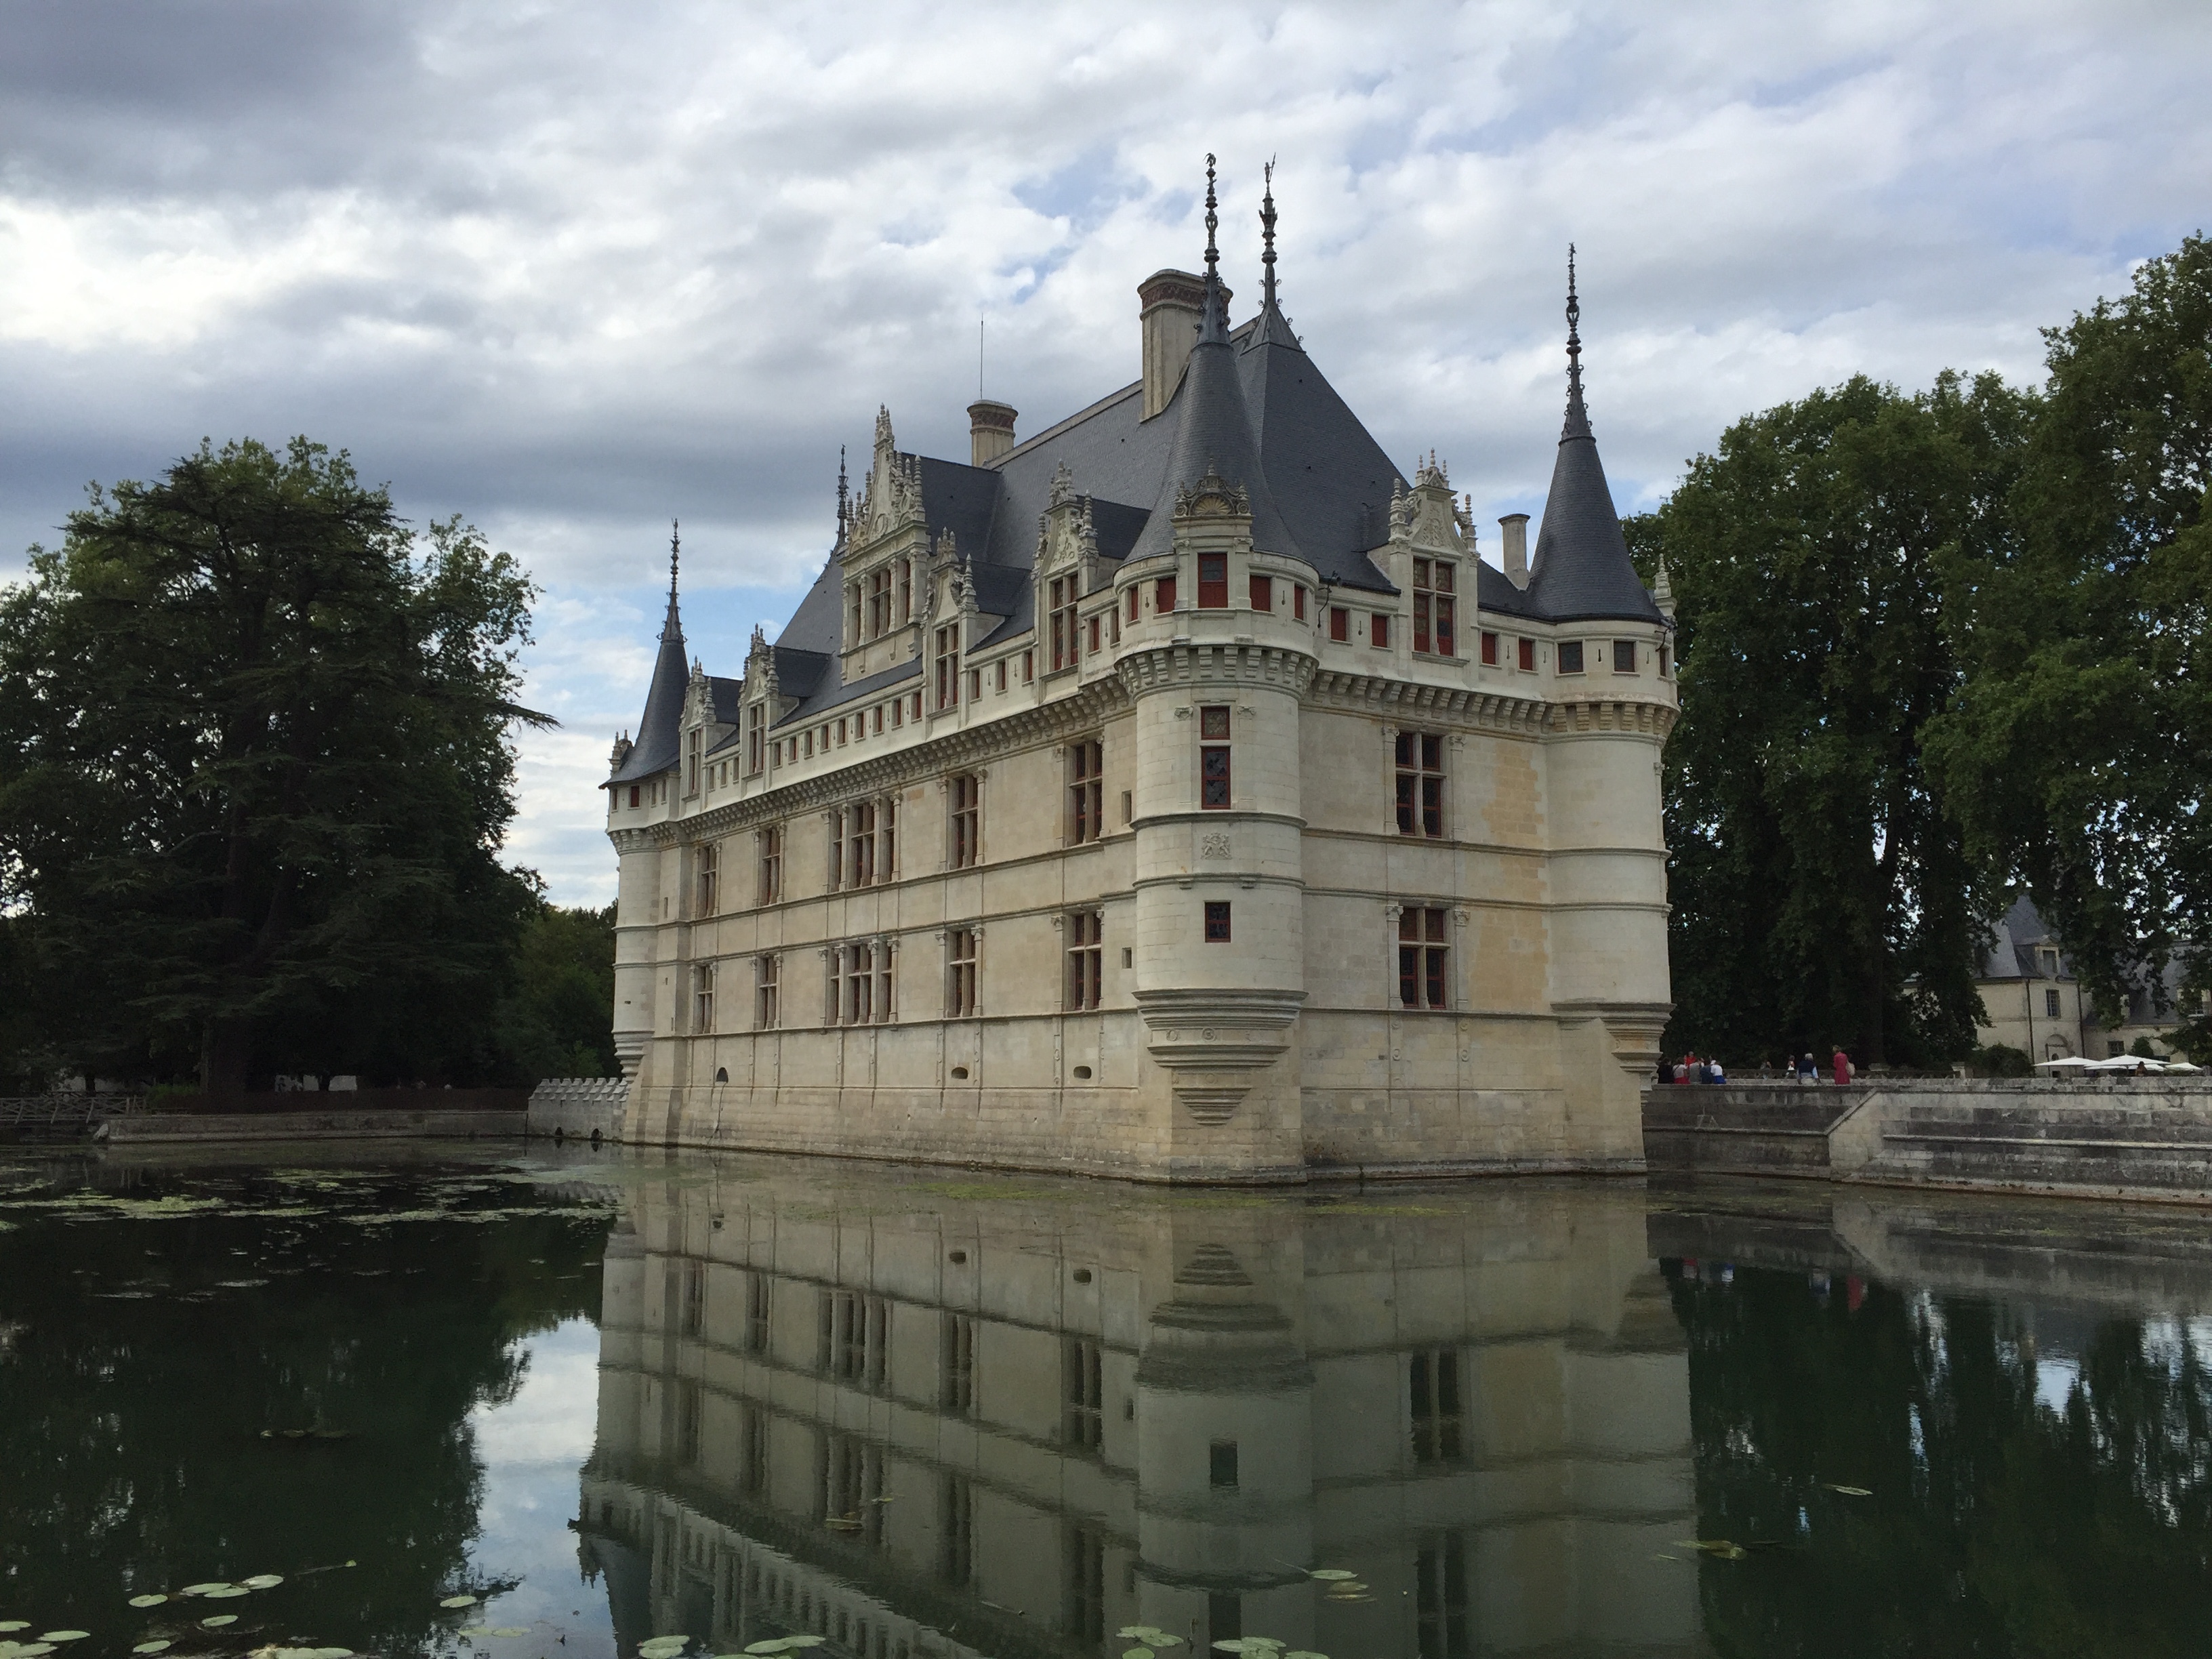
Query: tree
pixel 559 1019
pixel 2079 755
pixel 1820 894
pixel 256 772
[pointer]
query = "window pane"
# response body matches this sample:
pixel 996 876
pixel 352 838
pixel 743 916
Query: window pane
pixel 1213 722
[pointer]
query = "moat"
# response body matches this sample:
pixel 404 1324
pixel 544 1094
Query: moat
pixel 538 1405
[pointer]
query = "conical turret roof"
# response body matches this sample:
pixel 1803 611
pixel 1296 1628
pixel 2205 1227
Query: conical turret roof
pixel 660 729
pixel 1214 430
pixel 1582 570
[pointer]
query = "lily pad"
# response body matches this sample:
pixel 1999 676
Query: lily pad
pixel 663 1647
pixel 1151 1635
pixel 24 1649
pixel 14 1624
pixel 1301 1653
pixel 219 1620
pixel 263 1581
pixel 148 1600
pixel 202 1590
pixel 159 1644
pixel 1328 1574
pixel 64 1635
pixel 1138 1653
pixel 1848 1492
pixel 453 1600
pixel 227 1591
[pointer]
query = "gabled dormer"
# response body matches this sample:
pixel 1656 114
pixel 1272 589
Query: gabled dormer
pixel 883 545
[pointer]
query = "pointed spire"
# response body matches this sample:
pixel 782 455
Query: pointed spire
pixel 661 726
pixel 1582 569
pixel 1213 426
pixel 1274 329
pixel 1578 424
pixel 673 628
pixel 844 510
pixel 1268 236
pixel 1213 320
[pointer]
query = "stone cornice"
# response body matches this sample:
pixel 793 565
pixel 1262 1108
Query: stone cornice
pixel 1474 708
pixel 1185 662
pixel 1579 714
pixel 880 775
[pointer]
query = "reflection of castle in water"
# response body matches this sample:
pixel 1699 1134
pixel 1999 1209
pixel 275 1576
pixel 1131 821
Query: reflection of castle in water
pixel 923 1427
pixel 1014 1427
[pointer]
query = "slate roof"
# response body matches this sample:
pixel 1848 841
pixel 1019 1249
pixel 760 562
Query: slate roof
pixel 660 729
pixel 1254 406
pixel 2011 950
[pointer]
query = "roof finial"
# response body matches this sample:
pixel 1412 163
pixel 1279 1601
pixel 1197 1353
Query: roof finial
pixel 673 628
pixel 1267 237
pixel 1212 222
pixel 844 511
pixel 1577 418
pixel 1213 320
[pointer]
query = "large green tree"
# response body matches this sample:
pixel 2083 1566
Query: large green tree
pixel 255 768
pixel 2079 756
pixel 558 1021
pixel 1820 894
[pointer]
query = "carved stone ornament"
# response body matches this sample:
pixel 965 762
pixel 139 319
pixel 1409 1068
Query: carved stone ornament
pixel 1212 497
pixel 1215 845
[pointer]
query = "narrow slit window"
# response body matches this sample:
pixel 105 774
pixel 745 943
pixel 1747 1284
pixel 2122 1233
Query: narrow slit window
pixel 1086 962
pixel 1213 779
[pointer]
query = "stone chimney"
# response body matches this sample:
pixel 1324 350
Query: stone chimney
pixel 990 431
pixel 1515 526
pixel 1169 302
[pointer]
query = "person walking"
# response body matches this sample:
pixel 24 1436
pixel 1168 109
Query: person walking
pixel 1843 1068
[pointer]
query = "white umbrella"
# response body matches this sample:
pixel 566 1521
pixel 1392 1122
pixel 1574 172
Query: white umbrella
pixel 2072 1061
pixel 2128 1063
pixel 2181 1065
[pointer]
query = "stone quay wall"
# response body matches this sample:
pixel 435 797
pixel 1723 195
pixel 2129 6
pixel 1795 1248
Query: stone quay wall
pixel 210 1128
pixel 578 1107
pixel 2129 1137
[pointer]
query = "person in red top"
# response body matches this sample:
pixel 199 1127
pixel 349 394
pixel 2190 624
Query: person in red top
pixel 1843 1066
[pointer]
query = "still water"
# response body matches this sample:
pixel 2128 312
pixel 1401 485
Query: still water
pixel 895 1415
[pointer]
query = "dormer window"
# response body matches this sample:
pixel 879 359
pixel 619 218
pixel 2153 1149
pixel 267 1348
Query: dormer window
pixel 691 762
pixel 1435 583
pixel 879 603
pixel 1061 599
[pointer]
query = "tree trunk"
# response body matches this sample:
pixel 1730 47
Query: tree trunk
pixel 225 1056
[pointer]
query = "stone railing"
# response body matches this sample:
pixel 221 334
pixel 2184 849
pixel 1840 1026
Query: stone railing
pixel 2120 1136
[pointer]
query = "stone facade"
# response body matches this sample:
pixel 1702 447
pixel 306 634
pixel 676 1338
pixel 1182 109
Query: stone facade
pixel 1178 843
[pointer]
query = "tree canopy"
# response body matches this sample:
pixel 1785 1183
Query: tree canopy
pixel 1820 896
pixel 2078 753
pixel 257 769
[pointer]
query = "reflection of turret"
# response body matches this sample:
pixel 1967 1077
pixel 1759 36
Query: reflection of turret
pixel 1224 1449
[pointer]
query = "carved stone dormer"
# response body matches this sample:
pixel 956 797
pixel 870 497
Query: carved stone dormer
pixel 1433 521
pixel 1212 515
pixel 621 753
pixel 698 697
pixel 1067 540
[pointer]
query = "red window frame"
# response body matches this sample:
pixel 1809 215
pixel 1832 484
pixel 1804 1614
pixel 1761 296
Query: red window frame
pixel 1339 624
pixel 1263 593
pixel 1214 582
pixel 1528 656
pixel 1297 602
pixel 1213 765
pixel 1216 921
pixel 1378 630
pixel 1163 595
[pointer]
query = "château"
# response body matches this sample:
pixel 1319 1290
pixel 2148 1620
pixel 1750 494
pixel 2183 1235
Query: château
pixel 1172 794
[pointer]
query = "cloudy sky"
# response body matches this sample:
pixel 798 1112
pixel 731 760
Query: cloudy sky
pixel 571 269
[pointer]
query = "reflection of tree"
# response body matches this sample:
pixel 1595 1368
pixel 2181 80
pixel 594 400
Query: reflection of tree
pixel 131 1428
pixel 1997 1525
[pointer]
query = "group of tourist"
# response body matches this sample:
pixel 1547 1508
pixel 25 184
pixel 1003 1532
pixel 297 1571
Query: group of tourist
pixel 1803 1070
